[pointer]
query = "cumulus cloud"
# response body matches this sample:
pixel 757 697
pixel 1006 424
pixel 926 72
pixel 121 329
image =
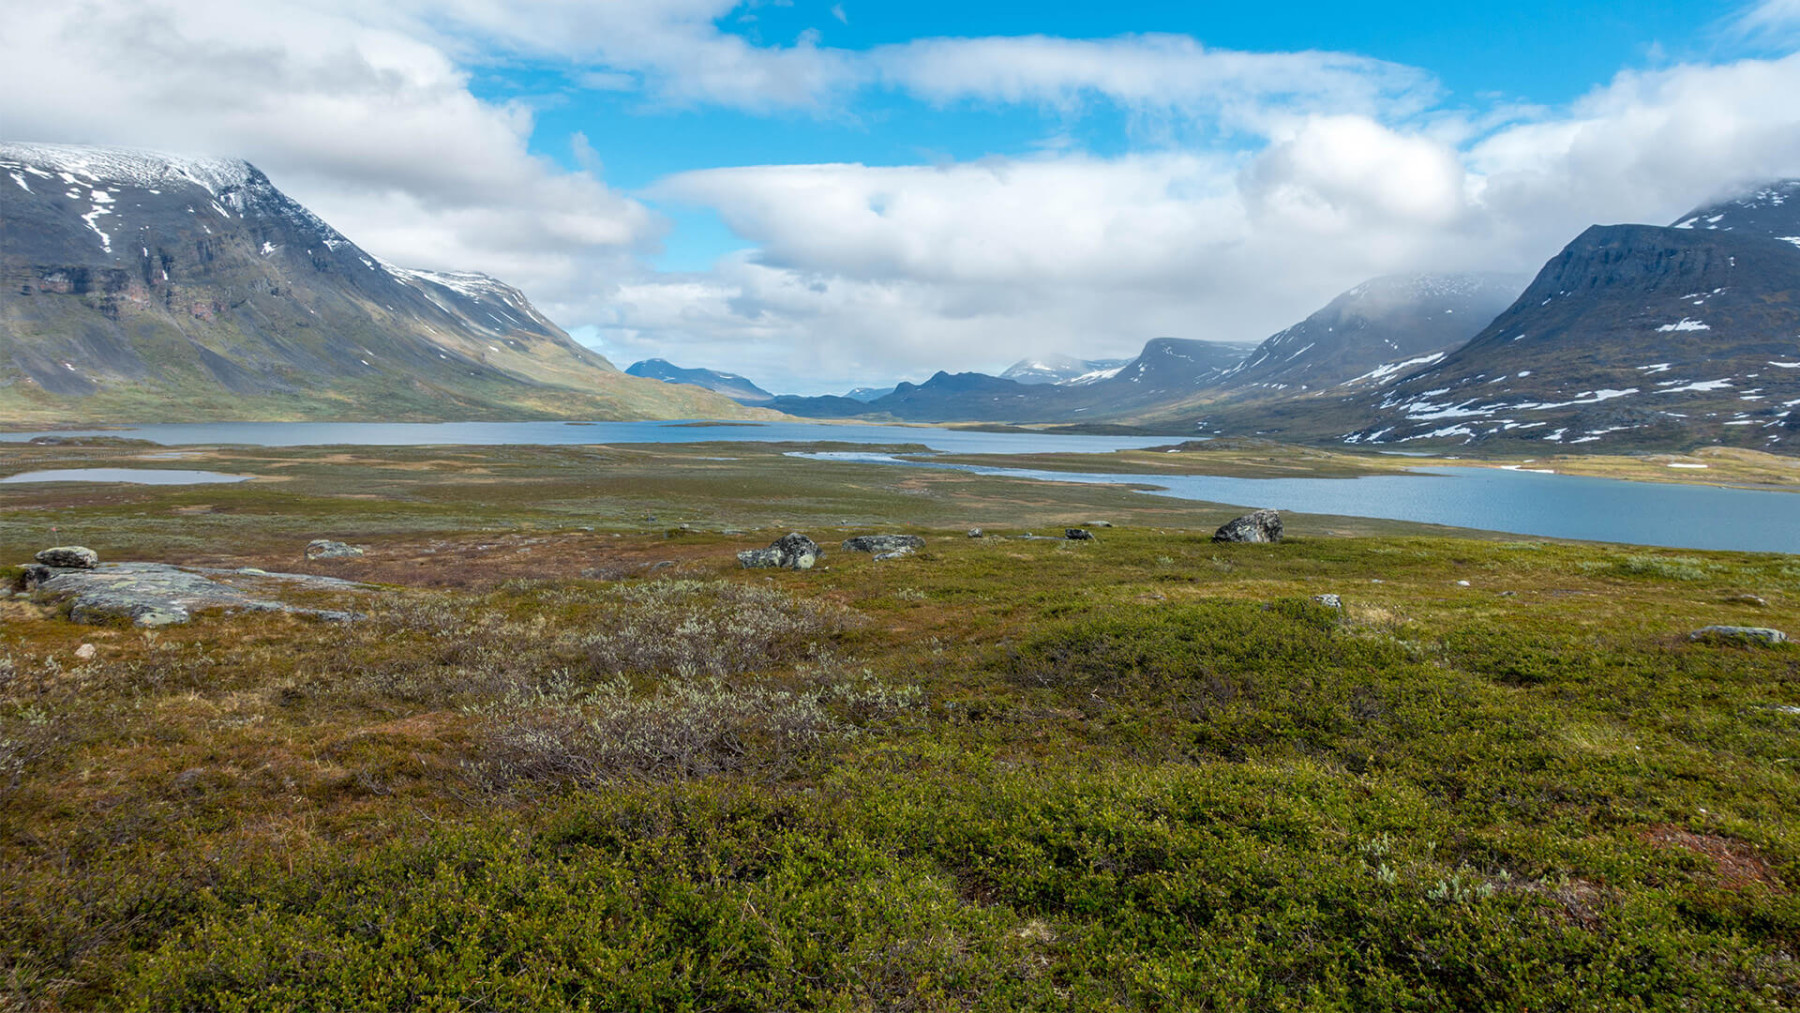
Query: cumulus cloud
pixel 372 126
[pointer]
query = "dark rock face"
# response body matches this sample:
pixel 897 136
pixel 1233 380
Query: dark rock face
pixel 1078 534
pixel 792 551
pixel 156 594
pixel 1746 634
pixel 321 548
pixel 883 543
pixel 73 557
pixel 35 575
pixel 1261 526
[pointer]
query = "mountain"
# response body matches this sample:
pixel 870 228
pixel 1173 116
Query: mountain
pixel 145 287
pixel 1376 326
pixel 731 385
pixel 1062 370
pixel 866 394
pixel 1634 335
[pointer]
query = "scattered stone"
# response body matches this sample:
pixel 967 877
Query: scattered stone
pixel 85 652
pixel 1463 583
pixel 1261 526
pixel 1748 599
pixel 792 551
pixel 1029 537
pixel 977 533
pixel 1096 524
pixel 157 594
pixel 324 548
pixel 1078 534
pixel 1509 594
pixel 1755 634
pixel 900 553
pixel 70 557
pixel 1330 601
pixel 883 543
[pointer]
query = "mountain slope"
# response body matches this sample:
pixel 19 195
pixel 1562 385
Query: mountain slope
pixel 143 287
pixel 1633 335
pixel 1381 322
pixel 731 385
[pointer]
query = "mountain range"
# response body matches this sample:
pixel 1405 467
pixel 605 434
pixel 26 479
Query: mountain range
pixel 146 287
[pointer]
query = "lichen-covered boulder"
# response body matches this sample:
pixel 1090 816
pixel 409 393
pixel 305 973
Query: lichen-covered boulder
pixel 324 548
pixel 1745 634
pixel 792 551
pixel 883 543
pixel 1078 534
pixel 70 557
pixel 1261 526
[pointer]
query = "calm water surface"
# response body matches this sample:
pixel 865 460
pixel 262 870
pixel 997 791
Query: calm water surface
pixel 1527 503
pixel 136 476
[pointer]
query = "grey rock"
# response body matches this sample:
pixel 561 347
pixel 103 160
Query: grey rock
pixel 156 594
pixel 35 575
pixel 977 533
pixel 1078 534
pixel 792 551
pixel 900 553
pixel 883 543
pixel 324 548
pixel 74 557
pixel 1748 599
pixel 1096 524
pixel 1261 526
pixel 1749 634
pixel 1330 601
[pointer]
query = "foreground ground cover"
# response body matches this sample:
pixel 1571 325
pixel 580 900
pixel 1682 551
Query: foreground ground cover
pixel 570 768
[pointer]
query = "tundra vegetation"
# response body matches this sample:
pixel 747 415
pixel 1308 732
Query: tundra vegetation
pixel 577 759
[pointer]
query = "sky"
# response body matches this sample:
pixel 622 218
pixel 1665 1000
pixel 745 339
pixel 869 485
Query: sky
pixel 821 194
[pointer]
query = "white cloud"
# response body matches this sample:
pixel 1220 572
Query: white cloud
pixel 370 126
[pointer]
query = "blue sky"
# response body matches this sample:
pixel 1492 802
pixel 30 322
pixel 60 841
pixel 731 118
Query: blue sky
pixel 821 196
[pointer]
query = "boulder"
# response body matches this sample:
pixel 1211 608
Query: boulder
pixel 792 551
pixel 1078 534
pixel 1261 526
pixel 324 548
pixel 977 533
pixel 1745 634
pixel 883 543
pixel 1330 601
pixel 70 557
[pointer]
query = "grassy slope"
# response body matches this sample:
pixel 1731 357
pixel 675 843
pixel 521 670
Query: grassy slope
pixel 1144 773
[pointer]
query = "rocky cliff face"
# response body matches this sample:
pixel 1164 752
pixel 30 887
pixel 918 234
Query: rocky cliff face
pixel 143 287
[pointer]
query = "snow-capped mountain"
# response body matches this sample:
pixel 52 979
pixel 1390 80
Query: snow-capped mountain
pixel 1633 335
pixel 145 286
pixel 1062 370
pixel 1376 329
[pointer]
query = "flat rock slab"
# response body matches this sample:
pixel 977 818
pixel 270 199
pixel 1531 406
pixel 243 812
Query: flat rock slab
pixel 157 594
pixel 1745 634
pixel 883 543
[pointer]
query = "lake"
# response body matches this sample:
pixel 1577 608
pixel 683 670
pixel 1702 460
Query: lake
pixel 135 476
pixel 1519 502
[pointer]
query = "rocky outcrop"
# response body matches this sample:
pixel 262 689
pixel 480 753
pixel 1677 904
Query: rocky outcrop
pixel 883 543
pixel 322 548
pixel 73 557
pixel 1743 634
pixel 157 594
pixel 792 551
pixel 1261 526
